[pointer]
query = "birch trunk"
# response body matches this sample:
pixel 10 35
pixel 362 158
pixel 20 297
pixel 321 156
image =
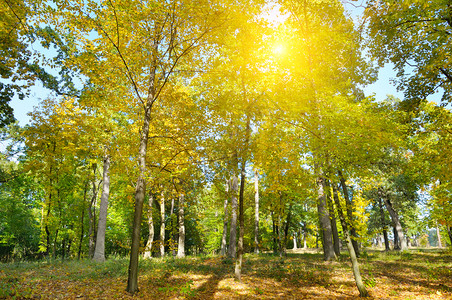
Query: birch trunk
pixel 181 242
pixel 99 252
pixel 172 226
pixel 148 250
pixel 305 236
pixel 162 225
pixel 438 235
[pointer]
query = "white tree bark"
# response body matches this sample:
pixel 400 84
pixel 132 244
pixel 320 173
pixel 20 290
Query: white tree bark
pixel 438 235
pixel 162 225
pixel 181 242
pixel 99 251
pixel 148 250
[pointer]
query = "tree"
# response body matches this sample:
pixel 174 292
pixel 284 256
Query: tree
pixel 415 37
pixel 145 68
pixel 181 242
pixel 162 224
pixel 313 101
pixel 431 144
pixel 233 227
pixel 14 55
pixel 355 266
pixel 225 220
pixel 148 251
pixel 99 251
pixel 256 211
pixel 395 220
pixel 20 196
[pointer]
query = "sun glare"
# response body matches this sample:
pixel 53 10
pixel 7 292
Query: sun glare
pixel 279 49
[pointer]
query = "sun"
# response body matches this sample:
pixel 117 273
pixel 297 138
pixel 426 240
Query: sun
pixel 279 49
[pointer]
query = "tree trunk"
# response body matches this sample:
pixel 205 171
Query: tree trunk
pixel 396 239
pixel 63 248
pixel 383 224
pixel 275 233
pixel 55 244
pixel 305 236
pixel 140 192
pixel 69 244
pixel 280 229
pixel 233 229
pixel 92 234
pixel 286 229
pixel 99 252
pixel 336 243
pixel 438 235
pixel 162 226
pixel 449 232
pixel 349 206
pixel 395 219
pixel 181 242
pixel 256 212
pixel 239 260
pixel 173 227
pixel 82 222
pixel 148 249
pixel 225 222
pixel 353 258
pixel 386 240
pixel 325 222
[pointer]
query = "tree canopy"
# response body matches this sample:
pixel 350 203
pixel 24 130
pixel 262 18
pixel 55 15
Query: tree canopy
pixel 179 128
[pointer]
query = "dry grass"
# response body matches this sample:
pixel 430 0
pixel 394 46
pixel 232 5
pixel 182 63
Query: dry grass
pixel 302 275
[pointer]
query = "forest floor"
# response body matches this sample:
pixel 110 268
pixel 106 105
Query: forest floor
pixel 415 274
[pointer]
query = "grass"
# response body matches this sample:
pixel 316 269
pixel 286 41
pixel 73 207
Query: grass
pixel 410 275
